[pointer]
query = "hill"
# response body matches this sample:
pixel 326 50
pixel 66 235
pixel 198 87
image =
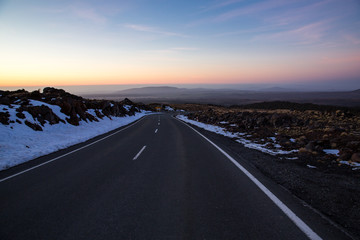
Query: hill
pixel 229 97
pixel 36 123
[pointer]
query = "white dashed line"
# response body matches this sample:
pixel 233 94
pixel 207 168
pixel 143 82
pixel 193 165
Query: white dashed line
pixel 137 155
pixel 156 130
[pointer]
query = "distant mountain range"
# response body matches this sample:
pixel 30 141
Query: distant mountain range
pixel 167 94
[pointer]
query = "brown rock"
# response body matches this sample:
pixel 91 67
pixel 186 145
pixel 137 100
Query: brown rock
pixel 66 108
pixel 5 100
pixel 20 115
pixel 34 126
pixel 4 118
pixel 310 146
pixel 355 157
pixel 345 156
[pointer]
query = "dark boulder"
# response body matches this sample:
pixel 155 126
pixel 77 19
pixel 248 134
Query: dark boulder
pixel 34 126
pixel 4 118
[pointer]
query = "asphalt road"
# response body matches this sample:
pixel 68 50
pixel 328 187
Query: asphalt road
pixel 157 179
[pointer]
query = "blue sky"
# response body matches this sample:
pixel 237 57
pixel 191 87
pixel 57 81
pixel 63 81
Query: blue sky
pixel 175 42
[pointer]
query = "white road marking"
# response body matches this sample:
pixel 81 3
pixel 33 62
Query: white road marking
pixel 156 130
pixel 298 222
pixel 159 124
pixel 54 159
pixel 137 155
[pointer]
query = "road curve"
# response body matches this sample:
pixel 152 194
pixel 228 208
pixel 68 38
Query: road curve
pixel 157 179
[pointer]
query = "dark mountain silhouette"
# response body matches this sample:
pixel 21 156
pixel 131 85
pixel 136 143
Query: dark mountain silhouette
pixel 279 89
pixel 165 94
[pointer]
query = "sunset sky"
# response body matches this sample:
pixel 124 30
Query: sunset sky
pixel 67 42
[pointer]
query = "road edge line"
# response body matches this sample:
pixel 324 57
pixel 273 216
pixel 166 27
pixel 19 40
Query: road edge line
pixel 293 217
pixel 73 151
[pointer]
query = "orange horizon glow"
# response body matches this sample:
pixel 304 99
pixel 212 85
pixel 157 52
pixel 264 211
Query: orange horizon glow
pixel 57 46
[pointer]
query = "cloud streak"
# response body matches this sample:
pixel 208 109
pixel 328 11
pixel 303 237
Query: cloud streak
pixel 220 5
pixel 81 12
pixel 89 14
pixel 304 35
pixel 252 9
pixel 149 29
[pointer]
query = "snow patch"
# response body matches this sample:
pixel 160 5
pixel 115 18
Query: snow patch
pixel 127 107
pixel 353 164
pixel 332 151
pixel 240 139
pixel 19 143
pixel 168 108
pixel 55 108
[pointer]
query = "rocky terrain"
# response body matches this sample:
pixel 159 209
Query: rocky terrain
pixel 322 138
pixel 37 123
pixel 75 107
pixel 314 150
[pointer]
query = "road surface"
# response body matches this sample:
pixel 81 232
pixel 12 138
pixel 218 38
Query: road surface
pixel 156 179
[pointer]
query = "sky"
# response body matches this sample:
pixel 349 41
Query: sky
pixel 70 42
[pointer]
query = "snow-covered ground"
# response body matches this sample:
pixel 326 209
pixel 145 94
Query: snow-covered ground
pixel 19 143
pixel 239 137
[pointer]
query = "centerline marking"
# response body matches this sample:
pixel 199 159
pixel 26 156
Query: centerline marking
pixel 156 130
pixel 137 155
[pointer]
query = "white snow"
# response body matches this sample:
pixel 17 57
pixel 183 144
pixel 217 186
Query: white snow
pixel 240 139
pixel 211 128
pixel 19 143
pixel 168 108
pixel 223 122
pixel 355 165
pixel 332 151
pixel 127 107
pixel 310 166
pixel 55 108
